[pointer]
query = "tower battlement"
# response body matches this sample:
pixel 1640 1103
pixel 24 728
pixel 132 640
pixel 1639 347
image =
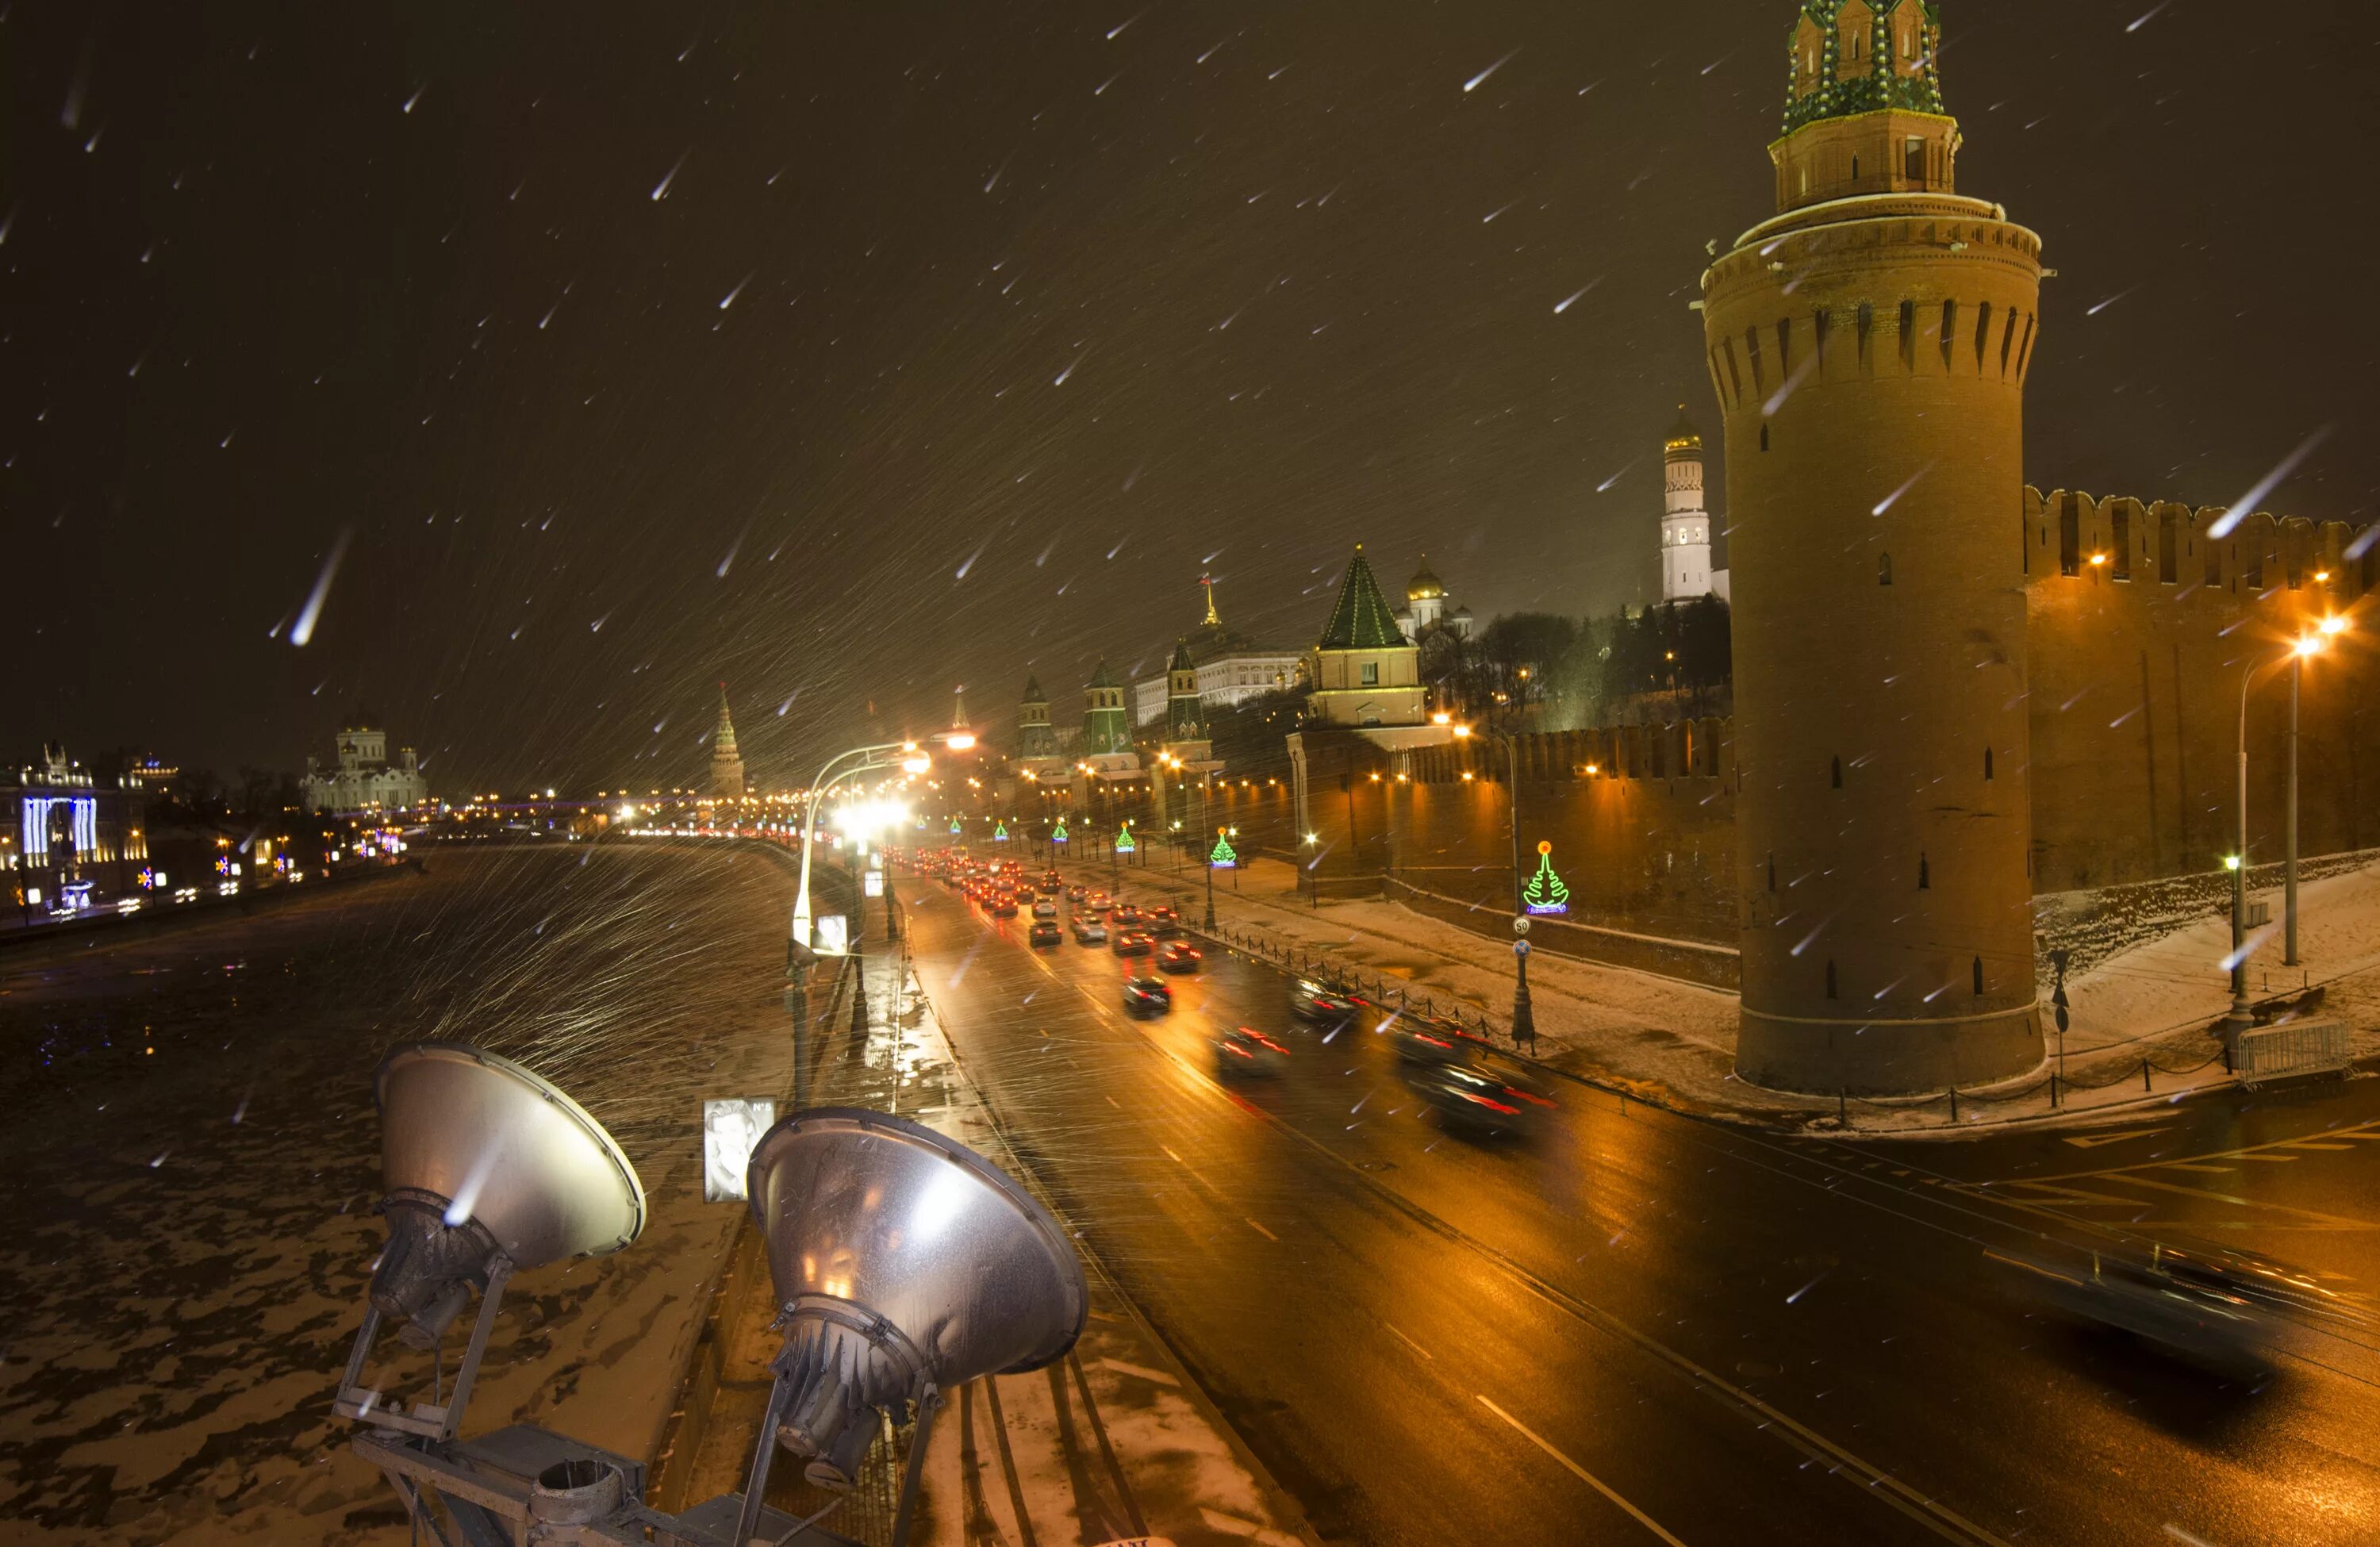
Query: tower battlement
pixel 2286 563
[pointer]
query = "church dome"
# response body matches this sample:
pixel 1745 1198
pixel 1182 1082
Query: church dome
pixel 1682 435
pixel 1424 586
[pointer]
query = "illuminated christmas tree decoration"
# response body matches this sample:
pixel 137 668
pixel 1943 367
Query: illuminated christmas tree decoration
pixel 1223 857
pixel 1000 831
pixel 1058 834
pixel 1124 844
pixel 1545 892
pixel 955 828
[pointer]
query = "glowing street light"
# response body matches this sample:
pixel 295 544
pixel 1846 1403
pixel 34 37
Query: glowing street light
pixel 2306 645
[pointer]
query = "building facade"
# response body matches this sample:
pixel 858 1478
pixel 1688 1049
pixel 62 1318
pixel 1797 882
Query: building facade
pixel 365 779
pixel 1232 668
pixel 68 839
pixel 1868 345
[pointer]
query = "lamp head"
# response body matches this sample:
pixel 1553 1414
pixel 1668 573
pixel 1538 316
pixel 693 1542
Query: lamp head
pixel 904 1263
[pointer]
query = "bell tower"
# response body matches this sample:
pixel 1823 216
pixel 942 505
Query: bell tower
pixel 1868 345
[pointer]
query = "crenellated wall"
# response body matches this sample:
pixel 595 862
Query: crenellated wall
pixel 2141 623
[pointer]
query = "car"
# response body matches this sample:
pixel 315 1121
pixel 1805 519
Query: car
pixel 1146 996
pixel 1099 902
pixel 1310 1000
pixel 1004 905
pixel 1165 923
pixel 1045 908
pixel 1052 883
pixel 1089 932
pixel 1044 934
pixel 1422 1040
pixel 1077 893
pixel 1127 913
pixel 1472 1097
pixel 1131 943
pixel 1179 955
pixel 1244 1051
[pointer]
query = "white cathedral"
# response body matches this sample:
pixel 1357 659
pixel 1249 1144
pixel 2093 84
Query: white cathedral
pixel 366 780
pixel 1686 572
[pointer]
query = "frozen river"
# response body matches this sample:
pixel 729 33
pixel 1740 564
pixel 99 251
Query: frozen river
pixel 192 1158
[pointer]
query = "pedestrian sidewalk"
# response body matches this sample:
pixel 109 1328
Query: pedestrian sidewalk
pixel 1112 1443
pixel 2140 1019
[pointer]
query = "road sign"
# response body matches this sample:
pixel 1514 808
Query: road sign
pixel 872 883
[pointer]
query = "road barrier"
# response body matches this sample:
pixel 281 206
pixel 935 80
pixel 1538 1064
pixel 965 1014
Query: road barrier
pixel 2293 1048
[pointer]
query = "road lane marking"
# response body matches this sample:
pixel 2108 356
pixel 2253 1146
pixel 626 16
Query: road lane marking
pixel 2192 1165
pixel 1583 1474
pixel 2092 1140
pixel 2369 1130
pixel 1262 1231
pixel 1409 1342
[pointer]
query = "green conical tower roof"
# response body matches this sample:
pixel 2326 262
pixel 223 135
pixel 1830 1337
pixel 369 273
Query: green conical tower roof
pixel 1033 693
pixel 1102 678
pixel 1182 661
pixel 1876 78
pixel 1362 618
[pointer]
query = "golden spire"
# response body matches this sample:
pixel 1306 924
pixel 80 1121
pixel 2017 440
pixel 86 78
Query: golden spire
pixel 1212 619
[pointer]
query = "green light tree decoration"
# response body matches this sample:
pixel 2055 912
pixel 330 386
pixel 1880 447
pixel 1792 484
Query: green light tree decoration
pixel 1545 892
pixel 1223 857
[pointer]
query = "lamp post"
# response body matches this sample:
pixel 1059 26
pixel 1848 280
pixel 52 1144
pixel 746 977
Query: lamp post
pixel 2241 1016
pixel 1524 1020
pixel 1210 881
pixel 872 760
pixel 2329 629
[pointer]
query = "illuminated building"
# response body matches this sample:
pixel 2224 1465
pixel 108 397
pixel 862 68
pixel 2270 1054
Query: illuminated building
pixel 365 779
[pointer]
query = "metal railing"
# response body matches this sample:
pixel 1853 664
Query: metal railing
pixel 2292 1048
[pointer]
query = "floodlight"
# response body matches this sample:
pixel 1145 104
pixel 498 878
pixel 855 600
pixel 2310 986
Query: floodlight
pixel 489 1169
pixel 905 1264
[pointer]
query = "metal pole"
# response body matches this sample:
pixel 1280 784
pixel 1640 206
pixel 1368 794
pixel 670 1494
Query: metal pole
pixel 2241 1016
pixel 1524 1020
pixel 1512 807
pixel 1210 891
pixel 2290 866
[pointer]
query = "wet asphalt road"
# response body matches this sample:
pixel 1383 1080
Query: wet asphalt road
pixel 1642 1327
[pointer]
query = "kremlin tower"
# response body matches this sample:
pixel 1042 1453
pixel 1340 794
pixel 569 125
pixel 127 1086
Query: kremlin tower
pixel 1868 345
pixel 726 764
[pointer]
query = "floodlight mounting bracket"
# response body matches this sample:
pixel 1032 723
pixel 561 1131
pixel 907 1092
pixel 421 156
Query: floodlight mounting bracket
pixel 431 1421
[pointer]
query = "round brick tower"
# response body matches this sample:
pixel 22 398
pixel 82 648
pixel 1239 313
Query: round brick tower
pixel 1869 345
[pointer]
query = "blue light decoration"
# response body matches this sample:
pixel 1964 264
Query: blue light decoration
pixel 956 828
pixel 148 879
pixel 1545 892
pixel 1000 831
pixel 34 823
pixel 1058 834
pixel 223 864
pixel 1223 857
pixel 1124 844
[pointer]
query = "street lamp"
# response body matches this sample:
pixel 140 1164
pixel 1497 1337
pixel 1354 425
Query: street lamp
pixel 1524 1024
pixel 913 760
pixel 2241 1016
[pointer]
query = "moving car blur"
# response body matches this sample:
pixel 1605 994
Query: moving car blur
pixel 1245 1052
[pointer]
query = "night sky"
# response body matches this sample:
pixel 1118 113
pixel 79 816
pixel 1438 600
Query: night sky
pixel 853 351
